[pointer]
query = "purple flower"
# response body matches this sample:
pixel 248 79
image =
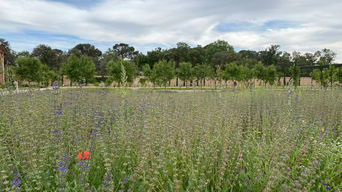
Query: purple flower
pixel 295 178
pixel 16 179
pixel 323 183
pixel 242 168
pixel 327 187
pixel 245 180
pixel 125 179
pixel 142 109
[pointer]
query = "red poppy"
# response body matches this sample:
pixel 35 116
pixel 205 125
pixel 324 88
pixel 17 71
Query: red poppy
pixel 173 110
pixel 83 156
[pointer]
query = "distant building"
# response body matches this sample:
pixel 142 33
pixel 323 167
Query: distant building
pixel 2 65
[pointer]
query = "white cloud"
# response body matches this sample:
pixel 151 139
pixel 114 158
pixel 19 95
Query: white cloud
pixel 143 22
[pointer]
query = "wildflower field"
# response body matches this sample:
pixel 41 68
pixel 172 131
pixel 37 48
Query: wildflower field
pixel 228 140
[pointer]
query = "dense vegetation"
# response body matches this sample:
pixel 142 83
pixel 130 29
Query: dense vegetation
pixel 217 61
pixel 238 140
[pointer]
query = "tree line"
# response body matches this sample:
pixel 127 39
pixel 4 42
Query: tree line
pixel 193 65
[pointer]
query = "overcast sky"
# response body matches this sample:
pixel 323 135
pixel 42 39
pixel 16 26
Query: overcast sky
pixel 301 25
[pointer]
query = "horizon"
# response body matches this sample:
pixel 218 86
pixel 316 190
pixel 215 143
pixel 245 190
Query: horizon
pixel 304 26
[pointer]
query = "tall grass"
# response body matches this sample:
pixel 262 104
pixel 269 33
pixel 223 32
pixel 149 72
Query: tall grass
pixel 238 140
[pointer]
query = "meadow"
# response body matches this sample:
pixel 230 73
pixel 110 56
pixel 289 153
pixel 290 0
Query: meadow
pixel 228 140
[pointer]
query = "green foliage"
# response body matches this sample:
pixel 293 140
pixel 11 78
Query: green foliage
pixel 185 71
pixel 108 56
pixel 271 74
pixel 260 71
pixel 124 51
pixel 203 71
pixel 246 74
pixel 163 72
pixel 81 70
pixel 91 52
pixel 232 72
pixel 338 75
pixel 321 76
pixel 215 47
pixel 114 69
pixel 332 71
pixel 48 56
pixel 32 70
pixel 295 74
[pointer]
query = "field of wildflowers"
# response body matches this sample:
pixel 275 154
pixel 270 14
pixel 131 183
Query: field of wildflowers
pixel 231 140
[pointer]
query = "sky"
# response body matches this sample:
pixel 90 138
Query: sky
pixel 295 25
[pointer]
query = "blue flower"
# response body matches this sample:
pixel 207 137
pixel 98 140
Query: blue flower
pixel 125 179
pixel 16 179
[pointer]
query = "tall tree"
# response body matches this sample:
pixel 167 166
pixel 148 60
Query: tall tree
pixel 140 61
pixel 9 53
pixel 154 56
pixel 197 55
pixel 271 55
pixel 109 55
pixel 124 51
pixel 222 58
pixel 215 47
pixel 91 52
pixel 50 57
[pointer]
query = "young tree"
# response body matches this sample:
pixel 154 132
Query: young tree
pixel 114 69
pixel 246 75
pixel 81 70
pixel 271 75
pixel 184 72
pixel 321 76
pixel 260 71
pixel 164 72
pixel 331 72
pixel 232 72
pixel 201 72
pixel 31 69
pixel 28 69
pixel 338 75
pixel 295 75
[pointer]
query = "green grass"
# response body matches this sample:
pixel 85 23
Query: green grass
pixel 232 140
